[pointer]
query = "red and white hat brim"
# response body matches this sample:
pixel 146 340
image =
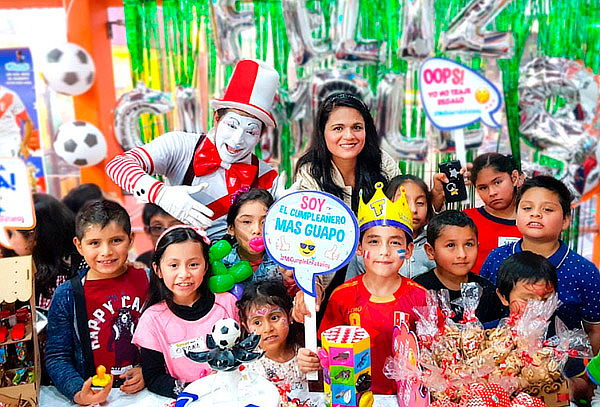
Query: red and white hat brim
pixel 254 110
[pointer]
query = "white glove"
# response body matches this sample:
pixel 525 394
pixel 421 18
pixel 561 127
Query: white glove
pixel 177 201
pixel 278 190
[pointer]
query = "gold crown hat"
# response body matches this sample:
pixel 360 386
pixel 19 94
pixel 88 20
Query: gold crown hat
pixel 380 211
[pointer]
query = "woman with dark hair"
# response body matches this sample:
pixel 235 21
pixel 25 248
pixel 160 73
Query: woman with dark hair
pixel 343 158
pixel 51 245
pixel 344 155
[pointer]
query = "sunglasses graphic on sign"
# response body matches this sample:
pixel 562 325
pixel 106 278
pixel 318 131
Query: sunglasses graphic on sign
pixel 307 248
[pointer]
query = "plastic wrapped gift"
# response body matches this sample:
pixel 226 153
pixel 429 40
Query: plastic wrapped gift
pixel 515 356
pixel 403 367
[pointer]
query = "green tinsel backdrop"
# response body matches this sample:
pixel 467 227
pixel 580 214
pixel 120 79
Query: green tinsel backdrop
pixel 177 41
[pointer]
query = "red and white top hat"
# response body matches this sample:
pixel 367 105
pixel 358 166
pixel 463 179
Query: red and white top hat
pixel 251 89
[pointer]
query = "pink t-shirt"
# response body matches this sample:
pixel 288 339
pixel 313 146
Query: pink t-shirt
pixel 161 330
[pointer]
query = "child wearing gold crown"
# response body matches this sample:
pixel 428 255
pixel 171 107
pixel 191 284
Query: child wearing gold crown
pixel 380 298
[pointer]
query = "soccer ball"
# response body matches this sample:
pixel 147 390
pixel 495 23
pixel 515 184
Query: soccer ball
pixel 226 332
pixel 80 143
pixel 68 69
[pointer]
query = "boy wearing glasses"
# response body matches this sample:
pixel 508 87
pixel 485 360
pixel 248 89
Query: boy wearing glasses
pixel 156 221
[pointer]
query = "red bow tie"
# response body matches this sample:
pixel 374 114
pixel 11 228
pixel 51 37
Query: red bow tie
pixel 207 161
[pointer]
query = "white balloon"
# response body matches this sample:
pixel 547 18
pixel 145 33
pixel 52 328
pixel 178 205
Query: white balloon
pixel 68 69
pixel 80 143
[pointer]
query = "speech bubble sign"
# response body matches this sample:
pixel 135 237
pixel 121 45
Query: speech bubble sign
pixel 16 204
pixel 312 233
pixel 454 96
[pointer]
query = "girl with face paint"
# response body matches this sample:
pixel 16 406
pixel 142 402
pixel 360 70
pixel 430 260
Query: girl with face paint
pixel 265 310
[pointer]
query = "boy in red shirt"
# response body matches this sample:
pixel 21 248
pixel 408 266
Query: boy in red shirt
pixel 377 299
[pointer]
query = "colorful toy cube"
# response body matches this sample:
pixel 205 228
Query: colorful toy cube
pixel 348 376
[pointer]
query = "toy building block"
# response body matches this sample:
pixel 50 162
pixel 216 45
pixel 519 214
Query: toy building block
pixel 348 366
pixel 100 379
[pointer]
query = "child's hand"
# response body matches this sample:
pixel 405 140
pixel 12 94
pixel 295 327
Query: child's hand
pixel 437 190
pixel 299 311
pixel 287 274
pixel 87 396
pixel 308 361
pixel 466 172
pixel 134 381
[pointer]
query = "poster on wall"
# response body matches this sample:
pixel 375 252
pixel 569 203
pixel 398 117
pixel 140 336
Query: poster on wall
pixel 18 115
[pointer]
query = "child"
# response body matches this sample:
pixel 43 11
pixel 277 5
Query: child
pixel 156 221
pixel 381 297
pixel 522 277
pixel 180 311
pixel 496 179
pixel 543 212
pixel 419 202
pixel 80 195
pixel 265 309
pixel 528 276
pixel 452 243
pixel 51 245
pixel 93 315
pixel 244 223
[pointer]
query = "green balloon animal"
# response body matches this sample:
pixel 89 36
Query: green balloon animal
pixel 227 278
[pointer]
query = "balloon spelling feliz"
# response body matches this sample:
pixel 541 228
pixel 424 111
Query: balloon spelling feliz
pixel 204 170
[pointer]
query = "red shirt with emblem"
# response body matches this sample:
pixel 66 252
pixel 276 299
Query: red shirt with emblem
pixel 492 232
pixel 113 308
pixel 352 304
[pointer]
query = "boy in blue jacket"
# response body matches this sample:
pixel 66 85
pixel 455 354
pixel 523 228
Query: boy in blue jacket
pixel 93 316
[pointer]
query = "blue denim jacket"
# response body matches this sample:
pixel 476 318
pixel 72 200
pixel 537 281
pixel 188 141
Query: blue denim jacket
pixel 69 358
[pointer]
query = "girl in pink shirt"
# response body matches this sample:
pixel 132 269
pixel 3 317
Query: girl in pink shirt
pixel 180 312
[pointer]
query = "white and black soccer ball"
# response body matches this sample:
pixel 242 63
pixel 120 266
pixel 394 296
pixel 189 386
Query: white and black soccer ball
pixel 226 332
pixel 68 69
pixel 80 143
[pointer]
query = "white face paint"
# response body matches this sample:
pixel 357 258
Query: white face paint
pixel 236 136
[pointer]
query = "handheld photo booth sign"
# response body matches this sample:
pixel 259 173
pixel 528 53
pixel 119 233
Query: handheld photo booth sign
pixel 311 233
pixel 16 205
pixel 455 96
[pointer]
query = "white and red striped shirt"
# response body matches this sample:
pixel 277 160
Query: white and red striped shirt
pixel 170 156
